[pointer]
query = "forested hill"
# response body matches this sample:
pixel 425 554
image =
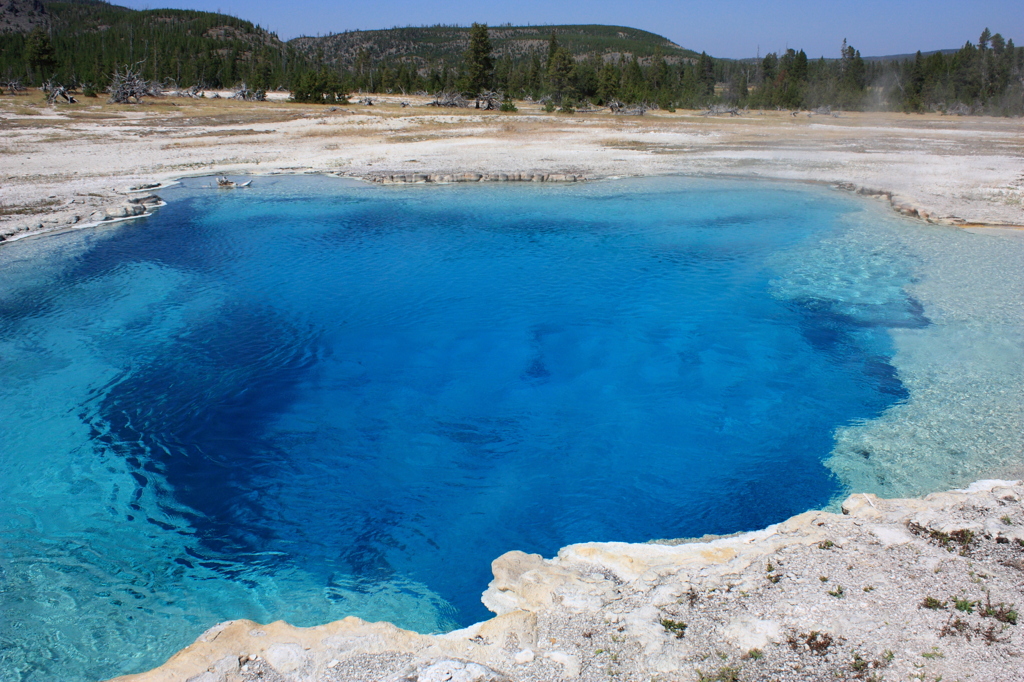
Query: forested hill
pixel 89 38
pixel 438 46
pixel 19 16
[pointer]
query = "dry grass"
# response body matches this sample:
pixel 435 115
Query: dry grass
pixel 24 111
pixel 81 115
pixel 28 209
pixel 188 144
pixel 231 132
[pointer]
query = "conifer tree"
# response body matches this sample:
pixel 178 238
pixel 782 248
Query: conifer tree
pixel 552 49
pixel 607 83
pixel 706 74
pixel 560 72
pixel 479 63
pixel 769 66
pixel 986 35
pixel 39 55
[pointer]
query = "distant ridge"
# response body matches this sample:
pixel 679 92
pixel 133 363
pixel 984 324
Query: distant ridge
pixel 882 58
pixel 432 45
pixel 907 57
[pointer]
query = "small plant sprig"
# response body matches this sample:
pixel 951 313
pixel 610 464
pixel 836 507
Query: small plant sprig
pixel 964 604
pixel 725 674
pixel 955 541
pixel 1002 612
pixel 676 627
pixel 817 642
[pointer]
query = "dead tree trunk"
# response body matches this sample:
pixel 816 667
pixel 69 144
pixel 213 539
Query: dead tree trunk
pixel 13 86
pixel 129 87
pixel 247 95
pixel 193 92
pixel 450 100
pixel 621 109
pixel 57 93
pixel 488 101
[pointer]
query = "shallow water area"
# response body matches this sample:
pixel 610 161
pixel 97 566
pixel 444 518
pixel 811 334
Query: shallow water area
pixel 314 398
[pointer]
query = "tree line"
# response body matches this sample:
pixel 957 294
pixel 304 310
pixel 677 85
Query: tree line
pixel 987 77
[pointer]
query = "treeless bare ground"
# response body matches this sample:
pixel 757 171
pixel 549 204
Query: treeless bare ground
pixel 66 161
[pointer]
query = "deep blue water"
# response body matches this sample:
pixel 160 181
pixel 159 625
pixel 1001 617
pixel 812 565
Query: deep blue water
pixel 314 398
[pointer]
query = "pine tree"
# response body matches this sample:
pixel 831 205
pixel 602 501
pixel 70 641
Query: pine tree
pixel 769 69
pixel 634 88
pixel 319 87
pixel 706 74
pixel 552 50
pixel 479 63
pixel 39 54
pixel 986 35
pixel 800 66
pixel 608 83
pixel 560 73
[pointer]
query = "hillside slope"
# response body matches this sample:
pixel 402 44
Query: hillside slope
pixel 435 45
pixel 21 16
pixel 91 38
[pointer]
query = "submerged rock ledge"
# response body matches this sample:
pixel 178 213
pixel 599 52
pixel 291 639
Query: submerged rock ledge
pixel 446 178
pixel 888 590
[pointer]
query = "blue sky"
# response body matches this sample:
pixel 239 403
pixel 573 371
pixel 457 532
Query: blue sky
pixel 722 28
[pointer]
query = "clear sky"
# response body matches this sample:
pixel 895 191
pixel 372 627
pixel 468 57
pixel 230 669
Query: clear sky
pixel 722 28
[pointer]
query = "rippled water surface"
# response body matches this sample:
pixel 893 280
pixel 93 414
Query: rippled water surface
pixel 313 398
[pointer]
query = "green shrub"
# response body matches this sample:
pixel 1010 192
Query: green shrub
pixel 676 627
pixel 964 604
pixel 319 87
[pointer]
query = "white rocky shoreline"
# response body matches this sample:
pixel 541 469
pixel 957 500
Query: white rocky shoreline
pixel 70 167
pixel 122 206
pixel 912 589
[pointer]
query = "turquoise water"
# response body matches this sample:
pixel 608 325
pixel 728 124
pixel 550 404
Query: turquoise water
pixel 315 398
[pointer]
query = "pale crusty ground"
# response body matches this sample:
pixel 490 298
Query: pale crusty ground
pixel 890 590
pixel 62 163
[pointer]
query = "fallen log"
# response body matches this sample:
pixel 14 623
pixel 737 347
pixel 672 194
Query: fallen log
pixel 56 93
pixel 451 100
pixel 620 109
pixel 247 95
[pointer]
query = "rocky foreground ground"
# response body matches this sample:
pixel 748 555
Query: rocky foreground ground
pixel 921 589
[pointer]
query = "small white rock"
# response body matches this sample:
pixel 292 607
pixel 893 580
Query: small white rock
pixel 525 656
pixel 570 664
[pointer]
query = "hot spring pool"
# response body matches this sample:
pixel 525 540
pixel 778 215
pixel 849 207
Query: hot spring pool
pixel 315 398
